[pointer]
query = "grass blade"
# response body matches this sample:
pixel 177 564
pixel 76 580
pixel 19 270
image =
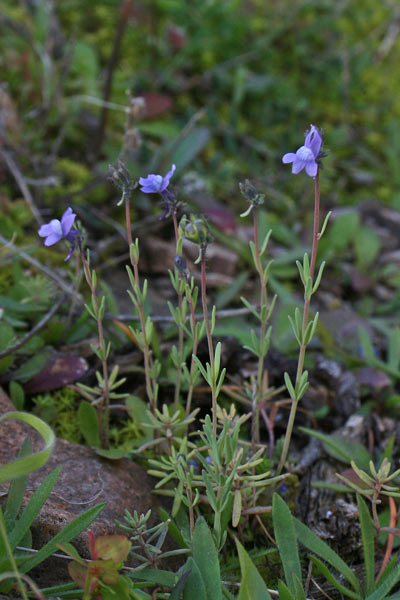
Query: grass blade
pixel 386 585
pixel 252 585
pixel 368 542
pixel 23 466
pixel 285 535
pixel 311 541
pixel 18 486
pixel 205 556
pixel 33 508
pixel 69 532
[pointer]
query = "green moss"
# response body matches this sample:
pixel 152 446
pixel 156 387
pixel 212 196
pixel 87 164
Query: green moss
pixel 73 177
pixel 6 279
pixel 60 410
pixel 126 437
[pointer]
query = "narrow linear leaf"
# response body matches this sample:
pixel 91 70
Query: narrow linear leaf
pixel 23 466
pixel 67 534
pixel 252 586
pixel 368 542
pixel 88 423
pixel 313 543
pixel 323 569
pixel 284 592
pixel 18 486
pixel 386 585
pixel 286 540
pixel 194 587
pixel 205 556
pixel 33 508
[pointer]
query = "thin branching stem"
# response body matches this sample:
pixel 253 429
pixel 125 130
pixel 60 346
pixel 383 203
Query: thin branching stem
pixel 179 291
pixel 303 346
pixel 150 384
pixel 194 353
pixel 150 387
pixel 103 407
pixel 390 538
pixel 208 333
pixel 264 322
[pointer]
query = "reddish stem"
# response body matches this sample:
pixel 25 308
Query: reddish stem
pixel 390 539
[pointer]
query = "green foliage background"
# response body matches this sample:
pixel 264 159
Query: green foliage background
pixel 262 72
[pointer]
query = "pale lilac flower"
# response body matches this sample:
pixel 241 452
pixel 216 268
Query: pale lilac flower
pixel 60 230
pixel 306 156
pixel 156 184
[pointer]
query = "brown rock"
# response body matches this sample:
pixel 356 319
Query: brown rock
pixel 85 481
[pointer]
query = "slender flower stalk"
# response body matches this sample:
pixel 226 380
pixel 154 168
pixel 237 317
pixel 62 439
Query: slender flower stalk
pixel 189 296
pixel 264 324
pixel 303 344
pixel 103 406
pixel 139 296
pixel 101 394
pixel 120 176
pixel 260 344
pixel 179 285
pixel 307 157
pixel 196 230
pixel 204 305
pixel 157 184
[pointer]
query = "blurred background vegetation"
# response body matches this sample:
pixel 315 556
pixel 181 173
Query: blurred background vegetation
pixel 230 86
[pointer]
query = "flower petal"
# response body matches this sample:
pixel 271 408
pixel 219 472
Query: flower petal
pixel 297 166
pixel 54 227
pixel 45 230
pixel 288 157
pixel 313 141
pixel 151 184
pixel 51 239
pixel 312 169
pixel 67 220
pixel 166 179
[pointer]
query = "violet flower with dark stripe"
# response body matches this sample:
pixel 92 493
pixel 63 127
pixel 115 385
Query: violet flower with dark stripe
pixel 56 231
pixel 157 184
pixel 306 156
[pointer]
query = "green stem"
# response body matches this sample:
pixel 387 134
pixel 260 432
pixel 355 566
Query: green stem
pixel 150 385
pixel 194 353
pixel 261 357
pixel 302 351
pixel 208 334
pixel 180 327
pixel 128 218
pixel 103 409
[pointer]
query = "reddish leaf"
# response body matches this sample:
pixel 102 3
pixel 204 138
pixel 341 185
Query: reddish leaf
pixel 373 378
pixel 112 547
pixel 78 573
pixel 219 214
pixel 221 217
pixel 354 478
pixel 177 36
pixel 156 104
pixel 60 371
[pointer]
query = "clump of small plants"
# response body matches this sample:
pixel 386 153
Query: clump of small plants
pixel 227 485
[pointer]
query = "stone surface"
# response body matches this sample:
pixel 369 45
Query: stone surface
pixel 85 481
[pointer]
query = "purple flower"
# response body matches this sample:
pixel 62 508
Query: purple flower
pixel 156 184
pixel 58 230
pixel 306 156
